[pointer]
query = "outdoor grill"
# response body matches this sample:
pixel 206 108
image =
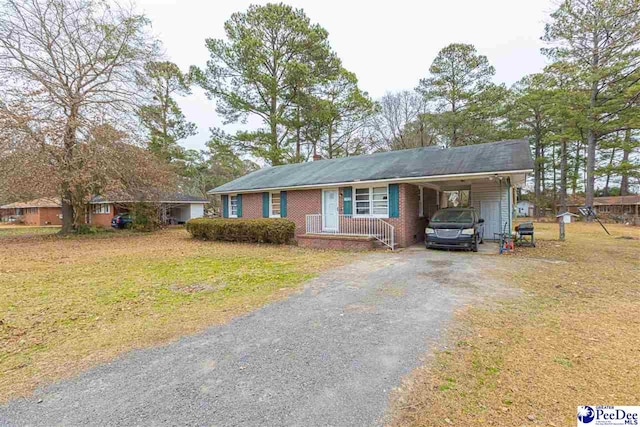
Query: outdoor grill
pixel 524 234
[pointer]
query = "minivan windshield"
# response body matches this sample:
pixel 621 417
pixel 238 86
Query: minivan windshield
pixel 453 215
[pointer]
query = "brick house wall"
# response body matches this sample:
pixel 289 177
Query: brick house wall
pixel 409 228
pixel 50 216
pixel 104 219
pixel 42 216
pixel 101 220
pixel 31 216
pixel 252 205
pixel 299 204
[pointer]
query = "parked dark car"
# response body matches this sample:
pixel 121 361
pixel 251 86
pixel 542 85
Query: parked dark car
pixel 455 228
pixel 121 221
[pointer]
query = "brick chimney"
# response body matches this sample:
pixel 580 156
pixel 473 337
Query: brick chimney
pixel 317 157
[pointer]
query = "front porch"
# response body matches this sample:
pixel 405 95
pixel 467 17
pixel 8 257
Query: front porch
pixel 348 230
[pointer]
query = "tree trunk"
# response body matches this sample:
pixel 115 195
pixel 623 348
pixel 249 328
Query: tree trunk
pixel 591 135
pixel 554 163
pixel 298 126
pixel 274 152
pixel 67 211
pixel 591 166
pixel 70 139
pixel 543 167
pixel 536 177
pixel 330 142
pixel 576 170
pixel 563 176
pixel 624 181
pixel 606 185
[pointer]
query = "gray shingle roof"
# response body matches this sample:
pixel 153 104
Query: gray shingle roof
pixel 501 156
pixel 166 197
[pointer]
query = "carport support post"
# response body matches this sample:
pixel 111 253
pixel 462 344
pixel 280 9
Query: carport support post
pixel 561 223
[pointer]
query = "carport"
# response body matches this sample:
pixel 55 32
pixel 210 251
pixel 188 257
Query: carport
pixel 494 197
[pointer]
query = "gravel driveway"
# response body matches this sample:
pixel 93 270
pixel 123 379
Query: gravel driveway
pixel 328 355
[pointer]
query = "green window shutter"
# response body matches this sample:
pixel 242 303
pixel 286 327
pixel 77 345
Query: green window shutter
pixel 239 205
pixel 265 205
pixel 347 200
pixel 283 204
pixel 394 201
pixel 225 206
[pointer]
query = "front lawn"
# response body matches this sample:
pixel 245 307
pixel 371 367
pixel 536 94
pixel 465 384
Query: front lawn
pixel 7 231
pixel 572 339
pixel 70 303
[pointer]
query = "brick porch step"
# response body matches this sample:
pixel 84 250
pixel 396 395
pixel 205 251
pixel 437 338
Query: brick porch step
pixel 335 241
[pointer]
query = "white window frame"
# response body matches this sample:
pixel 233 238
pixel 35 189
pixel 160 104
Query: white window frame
pixel 271 214
pixel 231 214
pixel 101 208
pixel 354 202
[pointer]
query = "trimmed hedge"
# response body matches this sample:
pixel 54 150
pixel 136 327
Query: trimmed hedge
pixel 267 230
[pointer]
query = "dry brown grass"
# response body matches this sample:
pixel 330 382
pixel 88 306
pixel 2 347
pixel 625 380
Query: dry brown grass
pixel 69 303
pixel 572 339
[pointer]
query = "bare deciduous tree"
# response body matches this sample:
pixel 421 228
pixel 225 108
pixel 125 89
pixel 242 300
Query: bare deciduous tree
pixel 66 67
pixel 398 114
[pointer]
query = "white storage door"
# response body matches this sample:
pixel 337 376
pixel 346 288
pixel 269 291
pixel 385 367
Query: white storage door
pixel 490 212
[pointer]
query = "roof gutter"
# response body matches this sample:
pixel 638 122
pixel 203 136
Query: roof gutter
pixel 373 181
pixel 193 202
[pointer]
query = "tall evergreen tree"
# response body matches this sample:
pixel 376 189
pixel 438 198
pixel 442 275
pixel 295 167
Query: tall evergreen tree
pixel 163 118
pixel 598 41
pixel 272 55
pixel 460 88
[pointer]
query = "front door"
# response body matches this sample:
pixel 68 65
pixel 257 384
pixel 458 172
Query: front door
pixel 330 210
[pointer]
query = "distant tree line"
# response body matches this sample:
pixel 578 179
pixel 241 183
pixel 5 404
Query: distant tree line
pixel 88 102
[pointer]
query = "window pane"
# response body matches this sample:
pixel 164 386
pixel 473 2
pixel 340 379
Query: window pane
pixel 275 204
pixel 233 202
pixel 458 198
pixel 380 191
pixel 362 210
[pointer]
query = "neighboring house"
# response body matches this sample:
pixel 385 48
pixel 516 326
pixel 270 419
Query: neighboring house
pixel 617 205
pixel 43 211
pixel 385 196
pixel 175 208
pixel 617 208
pixel 525 208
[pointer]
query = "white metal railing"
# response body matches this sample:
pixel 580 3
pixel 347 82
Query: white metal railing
pixel 349 225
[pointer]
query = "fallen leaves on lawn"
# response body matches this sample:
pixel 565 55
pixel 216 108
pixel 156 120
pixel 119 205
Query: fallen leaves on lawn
pixel 573 339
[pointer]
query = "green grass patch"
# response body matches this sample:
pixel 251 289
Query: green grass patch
pixel 13 231
pixel 69 303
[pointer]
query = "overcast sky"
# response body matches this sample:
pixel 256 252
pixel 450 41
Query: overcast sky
pixel 389 45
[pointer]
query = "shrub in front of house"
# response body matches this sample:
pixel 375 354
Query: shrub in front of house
pixel 267 230
pixel 144 217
